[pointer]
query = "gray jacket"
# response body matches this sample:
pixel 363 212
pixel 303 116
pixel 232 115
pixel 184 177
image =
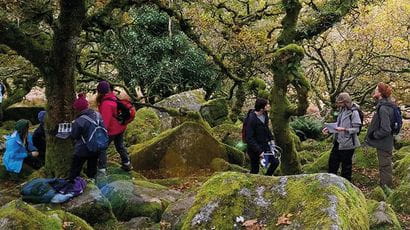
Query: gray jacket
pixel 349 119
pixel 379 134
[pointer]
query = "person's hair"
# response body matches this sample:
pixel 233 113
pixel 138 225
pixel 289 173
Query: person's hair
pixel 384 89
pixel 260 103
pixel 345 99
pixel 99 98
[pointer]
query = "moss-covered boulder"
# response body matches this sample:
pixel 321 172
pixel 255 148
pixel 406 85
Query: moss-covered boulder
pixel 382 216
pixel 401 153
pixel 378 194
pixel 138 223
pixel 91 206
pixel 139 198
pixel 145 126
pixel 220 165
pixel 319 165
pixel 179 151
pixel 402 166
pixel 215 112
pixel 316 201
pixel 229 134
pixel 191 100
pixel 20 215
pixel 400 198
pixel 176 212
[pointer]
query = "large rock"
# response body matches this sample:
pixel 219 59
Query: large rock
pixel 316 201
pixel 145 126
pixel 228 134
pixel 20 215
pixel 382 216
pixel 176 212
pixel 179 151
pixel 141 198
pixel 215 112
pixel 91 206
pixel 191 100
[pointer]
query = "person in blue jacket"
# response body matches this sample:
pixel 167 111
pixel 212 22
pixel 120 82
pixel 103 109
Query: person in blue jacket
pixel 19 147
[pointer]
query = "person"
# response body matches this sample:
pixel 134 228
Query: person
pixel 345 139
pixel 39 138
pixel 2 93
pixel 107 105
pixel 19 148
pixel 380 135
pixel 259 137
pixel 80 129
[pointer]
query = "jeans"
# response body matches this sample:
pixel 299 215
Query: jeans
pixel 343 157
pixel 119 146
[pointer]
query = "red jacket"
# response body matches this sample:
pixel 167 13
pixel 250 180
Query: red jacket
pixel 108 110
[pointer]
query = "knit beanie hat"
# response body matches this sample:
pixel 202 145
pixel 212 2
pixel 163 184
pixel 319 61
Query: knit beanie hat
pixel 22 127
pixel 80 103
pixel 41 116
pixel 384 89
pixel 103 87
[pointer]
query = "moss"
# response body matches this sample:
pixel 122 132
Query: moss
pixel 145 126
pixel 319 165
pixel 377 194
pixel 400 198
pixel 401 153
pixel 365 157
pixel 220 165
pixel 215 112
pixel 402 168
pixel 168 181
pixel 73 221
pixel 177 152
pixel 314 204
pixel 20 215
pixel 227 133
pixel 382 216
pixel 234 155
pixel 147 184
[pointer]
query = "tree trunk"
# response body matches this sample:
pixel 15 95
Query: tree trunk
pixel 60 85
pixel 240 98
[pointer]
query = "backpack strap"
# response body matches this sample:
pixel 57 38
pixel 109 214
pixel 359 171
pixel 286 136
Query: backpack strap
pixel 96 123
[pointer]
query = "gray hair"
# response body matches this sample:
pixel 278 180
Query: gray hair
pixel 345 99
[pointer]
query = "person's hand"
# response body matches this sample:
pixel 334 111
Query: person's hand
pixel 34 154
pixel 261 156
pixel 340 129
pixel 325 131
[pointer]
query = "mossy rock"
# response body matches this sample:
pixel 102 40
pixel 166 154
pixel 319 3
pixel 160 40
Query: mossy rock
pixel 191 100
pixel 145 126
pixel 319 165
pixel 378 194
pixel 306 157
pixel 138 223
pixel 229 134
pixel 20 215
pixel 401 153
pixel 402 167
pixel 91 205
pixel 114 173
pixel 178 152
pixel 215 112
pixel 141 198
pixel 382 216
pixel 176 212
pixel 220 165
pixel 365 157
pixel 400 198
pixel 317 201
pixel 28 113
pixel 234 155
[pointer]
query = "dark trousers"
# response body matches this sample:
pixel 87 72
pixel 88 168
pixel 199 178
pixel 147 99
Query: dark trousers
pixel 77 166
pixel 119 146
pixel 343 157
pixel 34 162
pixel 273 164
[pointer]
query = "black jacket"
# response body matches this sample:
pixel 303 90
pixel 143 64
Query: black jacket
pixel 39 140
pixel 81 128
pixel 257 134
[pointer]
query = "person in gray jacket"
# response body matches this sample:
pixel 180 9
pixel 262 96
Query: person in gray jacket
pixel 380 135
pixel 345 139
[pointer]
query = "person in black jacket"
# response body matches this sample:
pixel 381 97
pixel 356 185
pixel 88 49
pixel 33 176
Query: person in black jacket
pixel 258 136
pixel 80 128
pixel 39 139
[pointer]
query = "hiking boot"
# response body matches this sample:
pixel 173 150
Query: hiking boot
pixel 126 167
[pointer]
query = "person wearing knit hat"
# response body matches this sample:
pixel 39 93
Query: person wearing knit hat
pixel 345 139
pixel 80 103
pixel 19 146
pixel 82 128
pixel 39 139
pixel 380 135
pixel 107 106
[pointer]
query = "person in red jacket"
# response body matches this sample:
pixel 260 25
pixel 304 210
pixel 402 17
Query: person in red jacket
pixel 107 106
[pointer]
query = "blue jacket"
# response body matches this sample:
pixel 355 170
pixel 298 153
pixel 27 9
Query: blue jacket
pixel 16 152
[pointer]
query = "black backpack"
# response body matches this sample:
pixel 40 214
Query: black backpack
pixel 361 115
pixel 397 121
